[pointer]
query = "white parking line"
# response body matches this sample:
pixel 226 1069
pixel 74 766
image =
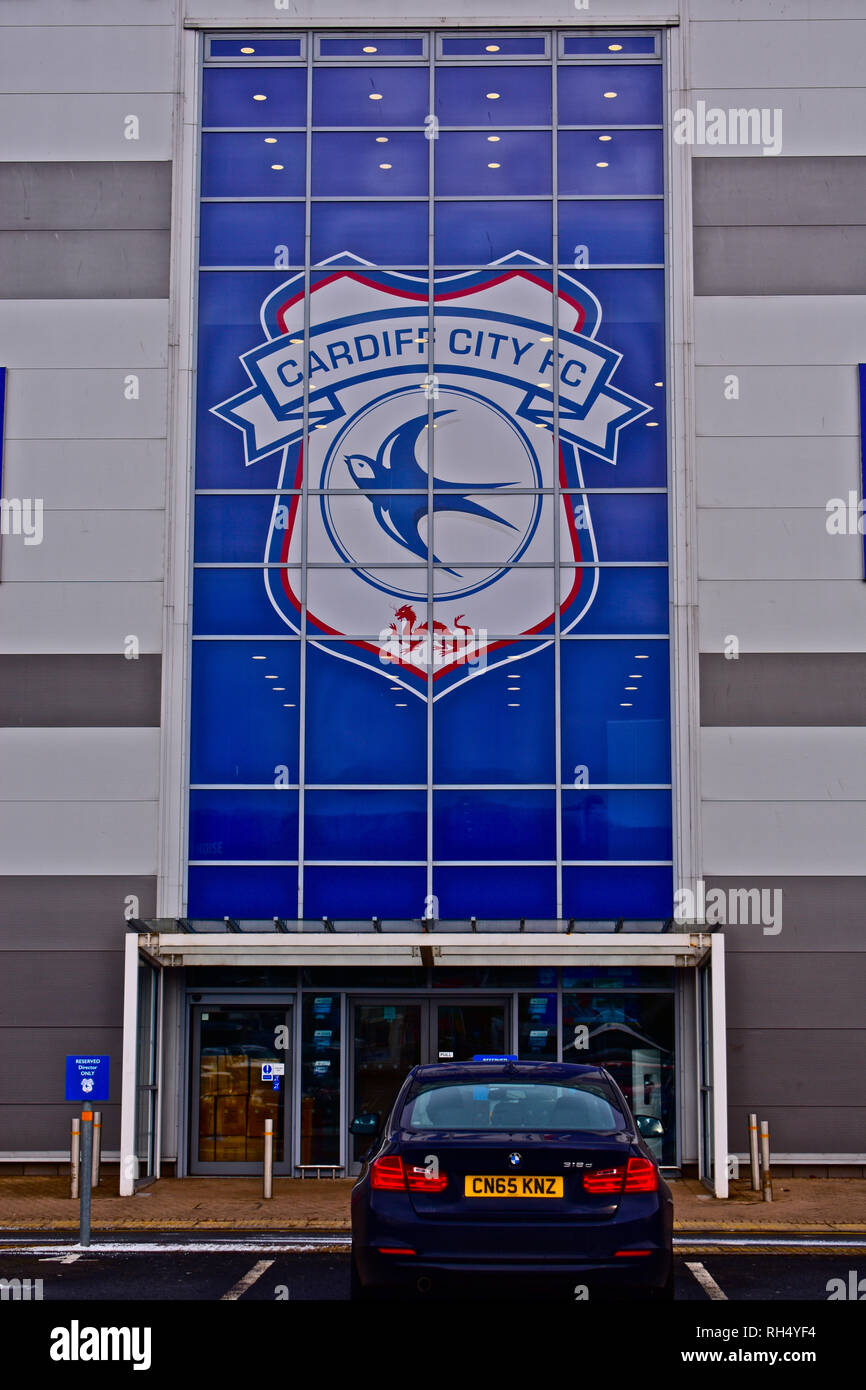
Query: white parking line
pixel 59 1259
pixel 247 1282
pixel 705 1279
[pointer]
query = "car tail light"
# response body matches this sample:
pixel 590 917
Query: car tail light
pixel 641 1175
pixel 422 1180
pixel 604 1179
pixel 386 1174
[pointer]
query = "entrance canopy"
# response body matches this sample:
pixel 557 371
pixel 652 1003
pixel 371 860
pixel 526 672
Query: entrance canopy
pixel 177 942
pixel 169 943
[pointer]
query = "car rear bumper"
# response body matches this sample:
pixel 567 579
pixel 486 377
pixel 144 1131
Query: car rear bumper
pixel 423 1273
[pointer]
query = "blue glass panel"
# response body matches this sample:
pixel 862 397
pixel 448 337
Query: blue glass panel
pixel 358 728
pixel 633 324
pixel 262 48
pixel 616 824
pixel 612 742
pixel 494 825
pixel 366 824
pixel 258 893
pixel 384 233
pixel 251 233
pixel 526 46
pixel 493 96
pixel 234 529
pixel 608 43
pixel 478 233
pixel 517 161
pixel 628 600
pixel 370 96
pixel 235 602
pixel 243 166
pixel 500 893
pixel 624 232
pixel 243 824
pixel 362 892
pixel 409 46
pixel 479 737
pixel 229 97
pixel 366 165
pixel 630 526
pixel 641 893
pixel 240 727
pixel 631 162
pixel 229 325
pixel 636 99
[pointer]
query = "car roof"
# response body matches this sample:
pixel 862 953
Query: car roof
pixel 505 1071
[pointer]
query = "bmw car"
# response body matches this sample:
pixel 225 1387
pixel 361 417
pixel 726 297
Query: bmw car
pixel 498 1173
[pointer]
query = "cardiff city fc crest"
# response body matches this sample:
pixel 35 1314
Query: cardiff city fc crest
pixel 434 505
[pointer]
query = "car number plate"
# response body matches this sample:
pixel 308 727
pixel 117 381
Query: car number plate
pixel 524 1186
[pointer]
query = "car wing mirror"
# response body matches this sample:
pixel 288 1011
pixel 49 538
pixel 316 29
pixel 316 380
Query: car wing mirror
pixel 648 1127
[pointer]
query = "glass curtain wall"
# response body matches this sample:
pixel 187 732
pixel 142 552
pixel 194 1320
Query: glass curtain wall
pixel 430 665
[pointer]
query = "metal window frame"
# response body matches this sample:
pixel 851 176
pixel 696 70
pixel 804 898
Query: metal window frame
pixel 371 59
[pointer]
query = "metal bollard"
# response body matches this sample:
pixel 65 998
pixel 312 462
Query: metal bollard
pixel 268 1180
pixel 766 1179
pixel 75 1159
pixel 86 1165
pixel 97 1148
pixel 753 1153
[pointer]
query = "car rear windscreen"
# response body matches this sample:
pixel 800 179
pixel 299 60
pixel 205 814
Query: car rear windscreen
pixel 587 1105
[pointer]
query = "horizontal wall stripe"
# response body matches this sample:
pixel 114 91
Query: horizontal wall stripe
pixel 87 474
pixel 778 400
pixel 804 615
pixel 83 617
pixel 94 764
pixel 816 121
pixel 743 838
pixel 779 191
pixel 779 330
pixel 81 333
pixel 60 58
pixel 86 546
pixel 782 764
pixel 780 260
pixel 783 689
pixel 772 543
pixel 773 54
pixel 88 837
pixel 93 125
pixel 72 989
pixel 80 691
pixel 800 1123
pixel 84 265
pixel 765 471
pixel 62 912
pixel 109 195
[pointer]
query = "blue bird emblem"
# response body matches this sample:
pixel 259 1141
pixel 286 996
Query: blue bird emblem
pixel 395 466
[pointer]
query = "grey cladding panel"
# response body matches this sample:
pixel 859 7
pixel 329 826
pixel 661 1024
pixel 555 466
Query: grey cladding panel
pixel 84 264
pixel 32 1064
pixel 806 190
pixel 780 260
pixel 789 1067
pixel 106 195
pixel 777 689
pixel 31 1128
pixel 820 913
pixel 88 691
pixel 829 1129
pixel 796 991
pixel 75 989
pixel 64 912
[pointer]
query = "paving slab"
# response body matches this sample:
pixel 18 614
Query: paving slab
pixel 812 1205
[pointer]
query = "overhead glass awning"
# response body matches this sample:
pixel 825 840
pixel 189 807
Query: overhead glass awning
pixel 178 942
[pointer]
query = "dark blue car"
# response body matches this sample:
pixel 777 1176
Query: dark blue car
pixel 501 1173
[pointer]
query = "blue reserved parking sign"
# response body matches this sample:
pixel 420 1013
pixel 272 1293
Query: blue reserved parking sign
pixel 87 1078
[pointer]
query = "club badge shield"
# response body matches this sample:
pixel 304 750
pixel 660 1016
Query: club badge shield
pixel 435 508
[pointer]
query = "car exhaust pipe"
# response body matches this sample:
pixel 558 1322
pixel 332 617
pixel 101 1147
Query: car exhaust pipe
pixel 424 1284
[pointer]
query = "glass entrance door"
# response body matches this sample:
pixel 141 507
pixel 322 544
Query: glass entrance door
pixel 387 1044
pixel 462 1031
pixel 235 1089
